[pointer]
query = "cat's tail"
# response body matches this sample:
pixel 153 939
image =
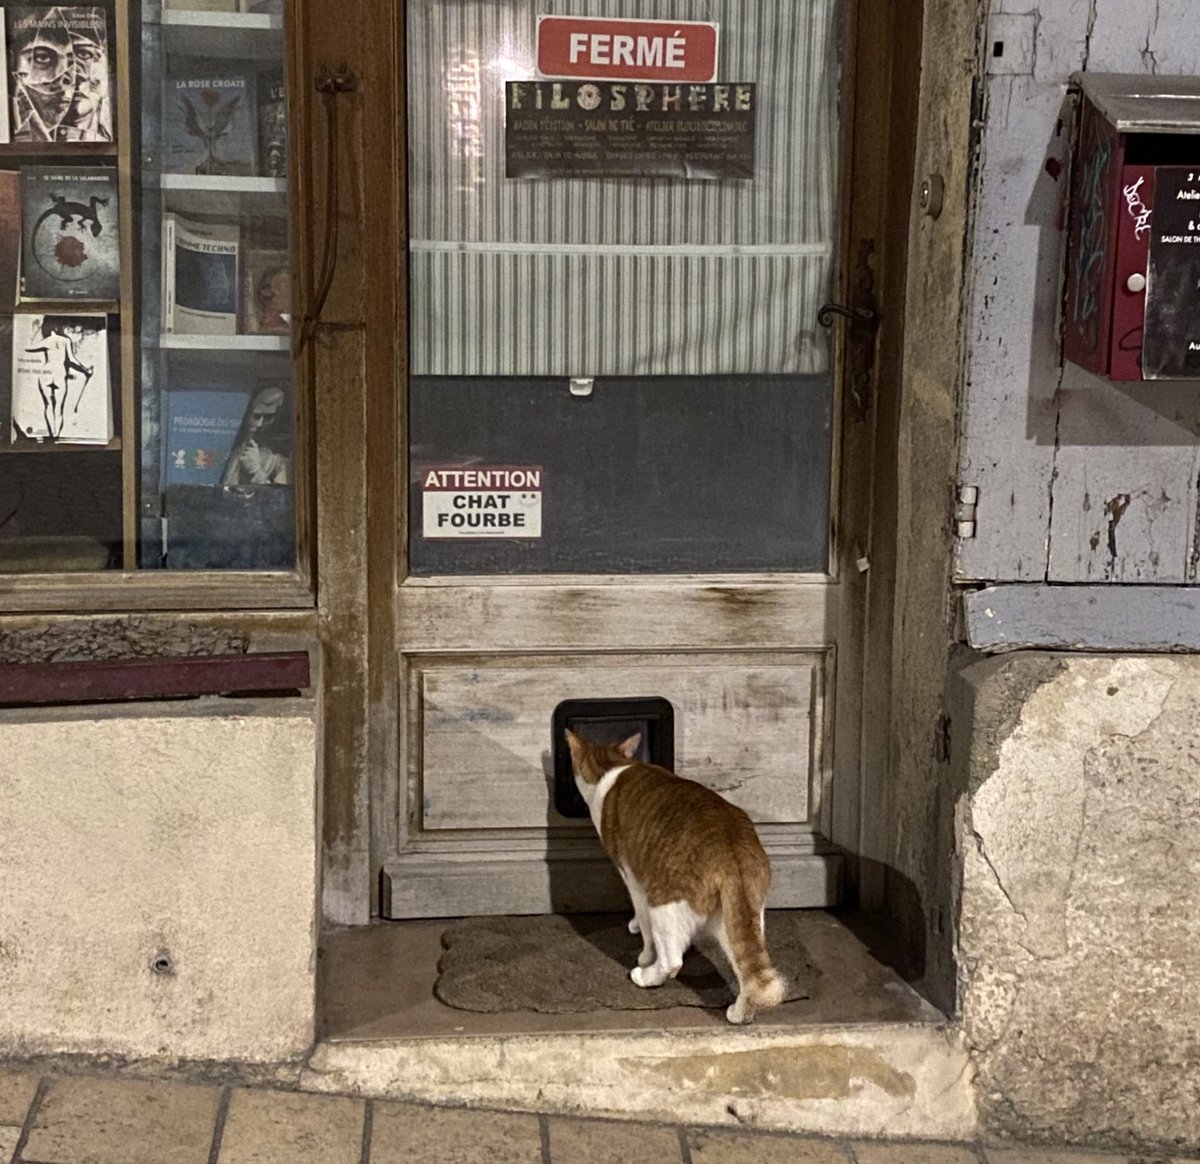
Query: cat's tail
pixel 760 985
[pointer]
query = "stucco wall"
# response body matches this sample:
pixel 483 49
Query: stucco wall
pixel 177 830
pixel 1078 840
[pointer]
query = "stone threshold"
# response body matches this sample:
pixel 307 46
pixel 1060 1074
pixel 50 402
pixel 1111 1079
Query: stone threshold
pixel 866 1055
pixel 869 1080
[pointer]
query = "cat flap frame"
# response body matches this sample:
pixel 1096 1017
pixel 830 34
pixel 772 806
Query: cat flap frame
pixel 609 721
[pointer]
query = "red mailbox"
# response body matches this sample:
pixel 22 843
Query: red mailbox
pixel 1132 309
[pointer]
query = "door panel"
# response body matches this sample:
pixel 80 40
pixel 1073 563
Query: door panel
pixel 743 729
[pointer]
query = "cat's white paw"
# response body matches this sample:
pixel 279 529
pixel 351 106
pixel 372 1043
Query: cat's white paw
pixel 634 928
pixel 646 957
pixel 645 976
pixel 738 1012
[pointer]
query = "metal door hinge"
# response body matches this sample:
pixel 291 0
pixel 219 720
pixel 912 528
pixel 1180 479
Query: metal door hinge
pixel 964 511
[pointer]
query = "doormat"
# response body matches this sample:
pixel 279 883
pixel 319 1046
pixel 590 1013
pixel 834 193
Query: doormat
pixel 566 965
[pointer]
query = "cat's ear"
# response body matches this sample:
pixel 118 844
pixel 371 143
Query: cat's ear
pixel 576 746
pixel 628 748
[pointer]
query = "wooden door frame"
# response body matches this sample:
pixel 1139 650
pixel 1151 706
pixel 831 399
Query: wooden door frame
pixel 360 498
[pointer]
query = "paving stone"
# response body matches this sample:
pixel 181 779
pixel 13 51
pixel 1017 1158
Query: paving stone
pixel 587 1141
pixel 288 1127
pixel 1051 1156
pixel 109 1121
pixel 8 1141
pixel 748 1148
pixel 16 1094
pixel 870 1153
pixel 409 1134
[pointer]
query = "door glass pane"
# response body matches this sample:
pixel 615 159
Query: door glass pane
pixel 615 363
pixel 145 319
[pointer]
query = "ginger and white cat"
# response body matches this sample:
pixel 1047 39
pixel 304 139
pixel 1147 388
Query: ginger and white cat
pixel 691 861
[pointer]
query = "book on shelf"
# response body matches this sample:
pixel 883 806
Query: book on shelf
pixel 60 73
pixel 10 237
pixel 6 336
pixel 201 5
pixel 209 123
pixel 201 425
pixel 4 130
pixel 199 276
pixel 70 242
pixel 266 293
pixel 262 449
pixel 60 381
pixel 272 124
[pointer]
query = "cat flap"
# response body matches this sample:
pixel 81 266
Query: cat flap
pixel 608 721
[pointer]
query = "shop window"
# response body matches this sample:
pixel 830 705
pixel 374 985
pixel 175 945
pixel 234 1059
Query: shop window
pixel 147 418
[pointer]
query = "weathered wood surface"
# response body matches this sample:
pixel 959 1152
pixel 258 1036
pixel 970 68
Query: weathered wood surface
pixel 1107 618
pixel 1079 479
pixel 743 729
pixel 420 887
pixel 513 614
pixel 184 676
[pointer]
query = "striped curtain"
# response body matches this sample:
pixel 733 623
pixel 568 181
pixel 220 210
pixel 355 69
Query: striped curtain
pixel 618 277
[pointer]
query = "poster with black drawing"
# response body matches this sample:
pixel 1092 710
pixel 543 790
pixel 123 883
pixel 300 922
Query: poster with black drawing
pixel 1171 341
pixel 60 382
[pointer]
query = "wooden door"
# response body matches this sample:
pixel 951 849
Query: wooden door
pixel 631 364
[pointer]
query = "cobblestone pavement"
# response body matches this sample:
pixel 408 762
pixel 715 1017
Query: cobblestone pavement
pixel 97 1119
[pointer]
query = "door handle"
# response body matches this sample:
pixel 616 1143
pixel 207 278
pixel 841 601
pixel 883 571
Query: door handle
pixel 863 316
pixel 862 324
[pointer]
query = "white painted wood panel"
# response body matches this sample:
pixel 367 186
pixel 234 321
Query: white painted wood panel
pixel 744 729
pixel 1080 480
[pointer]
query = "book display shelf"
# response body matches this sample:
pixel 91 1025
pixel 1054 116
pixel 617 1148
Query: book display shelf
pixel 146 395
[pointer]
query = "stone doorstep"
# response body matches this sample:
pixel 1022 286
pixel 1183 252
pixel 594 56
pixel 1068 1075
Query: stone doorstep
pixel 891 1080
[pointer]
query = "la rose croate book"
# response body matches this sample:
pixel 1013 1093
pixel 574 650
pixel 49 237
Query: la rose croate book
pixel 59 73
pixel 70 244
pixel 200 276
pixel 60 380
pixel 209 124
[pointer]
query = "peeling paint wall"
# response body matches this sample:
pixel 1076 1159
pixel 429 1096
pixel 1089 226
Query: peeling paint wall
pixel 1079 946
pixel 1080 480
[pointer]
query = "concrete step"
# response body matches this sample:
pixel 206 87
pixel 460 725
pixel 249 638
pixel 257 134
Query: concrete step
pixel 855 1079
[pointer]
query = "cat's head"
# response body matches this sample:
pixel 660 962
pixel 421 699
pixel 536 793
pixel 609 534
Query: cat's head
pixel 589 760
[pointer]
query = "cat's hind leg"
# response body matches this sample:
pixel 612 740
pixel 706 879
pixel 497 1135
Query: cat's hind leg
pixel 640 922
pixel 672 927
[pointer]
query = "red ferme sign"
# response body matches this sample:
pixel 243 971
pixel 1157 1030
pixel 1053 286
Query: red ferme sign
pixel 591 48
